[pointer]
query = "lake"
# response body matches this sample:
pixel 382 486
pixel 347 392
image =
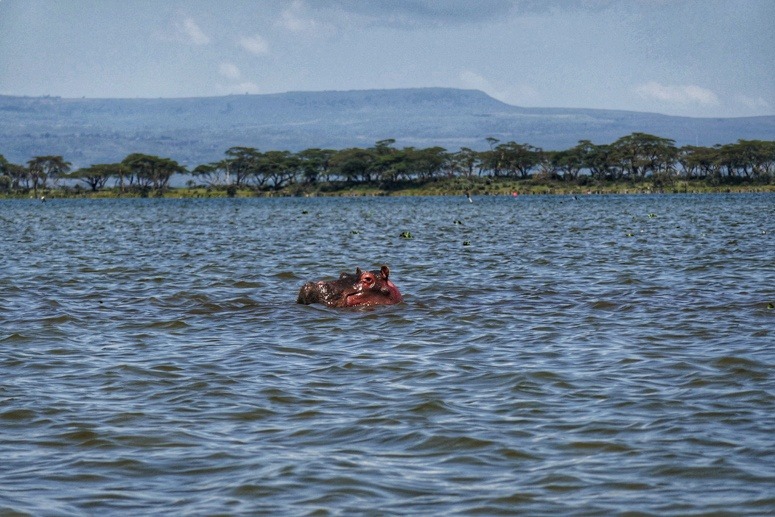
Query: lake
pixel 553 355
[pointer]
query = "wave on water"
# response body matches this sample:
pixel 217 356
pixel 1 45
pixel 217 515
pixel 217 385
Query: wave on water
pixel 606 355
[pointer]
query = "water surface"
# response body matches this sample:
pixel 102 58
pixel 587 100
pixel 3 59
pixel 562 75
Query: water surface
pixel 553 356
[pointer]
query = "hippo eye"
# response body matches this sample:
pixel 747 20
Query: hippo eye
pixel 368 280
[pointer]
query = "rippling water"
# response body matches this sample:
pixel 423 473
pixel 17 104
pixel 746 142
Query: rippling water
pixel 552 356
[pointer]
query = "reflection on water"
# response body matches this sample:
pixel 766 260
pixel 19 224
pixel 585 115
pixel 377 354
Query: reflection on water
pixel 553 355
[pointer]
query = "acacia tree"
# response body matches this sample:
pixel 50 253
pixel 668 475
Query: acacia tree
pixel 596 159
pixel 548 166
pixel 386 161
pixel 697 162
pixel 517 158
pixel 763 158
pixel 20 176
pixel 635 156
pixel 397 166
pixel 353 164
pixel 242 164
pixel 465 161
pixel 730 160
pixel 214 174
pixel 152 171
pixel 640 154
pixel 5 178
pixel 315 163
pixel 751 159
pixel 571 161
pixel 276 168
pixel 428 162
pixel 43 168
pixel 96 176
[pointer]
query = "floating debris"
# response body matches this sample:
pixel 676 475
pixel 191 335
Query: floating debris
pixel 406 235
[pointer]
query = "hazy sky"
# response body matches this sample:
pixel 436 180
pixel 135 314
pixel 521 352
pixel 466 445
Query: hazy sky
pixel 682 57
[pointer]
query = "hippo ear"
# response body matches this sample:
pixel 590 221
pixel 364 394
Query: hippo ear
pixel 385 272
pixel 358 272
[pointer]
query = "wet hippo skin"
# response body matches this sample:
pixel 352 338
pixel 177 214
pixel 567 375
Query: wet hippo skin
pixel 362 289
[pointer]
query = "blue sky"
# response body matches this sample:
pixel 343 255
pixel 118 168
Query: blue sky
pixel 707 58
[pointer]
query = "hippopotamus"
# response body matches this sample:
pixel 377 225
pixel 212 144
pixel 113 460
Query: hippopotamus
pixel 362 289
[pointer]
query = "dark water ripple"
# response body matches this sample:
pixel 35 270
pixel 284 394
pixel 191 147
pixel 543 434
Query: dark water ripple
pixel 553 356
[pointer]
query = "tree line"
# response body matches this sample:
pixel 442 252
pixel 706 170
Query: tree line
pixel 635 157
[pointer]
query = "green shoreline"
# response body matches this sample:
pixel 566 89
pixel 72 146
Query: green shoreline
pixel 477 186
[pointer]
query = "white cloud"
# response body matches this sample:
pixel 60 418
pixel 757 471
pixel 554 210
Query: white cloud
pixel 256 45
pixel 229 71
pixel 677 94
pixel 475 81
pixel 190 32
pixel 755 103
pixel 235 84
pixel 297 19
pixel 516 94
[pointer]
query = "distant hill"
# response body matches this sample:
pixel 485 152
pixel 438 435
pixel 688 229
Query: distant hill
pixel 199 130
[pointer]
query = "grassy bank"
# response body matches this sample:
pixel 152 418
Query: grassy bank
pixel 437 187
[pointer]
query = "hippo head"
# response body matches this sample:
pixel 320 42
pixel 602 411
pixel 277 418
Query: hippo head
pixel 362 289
